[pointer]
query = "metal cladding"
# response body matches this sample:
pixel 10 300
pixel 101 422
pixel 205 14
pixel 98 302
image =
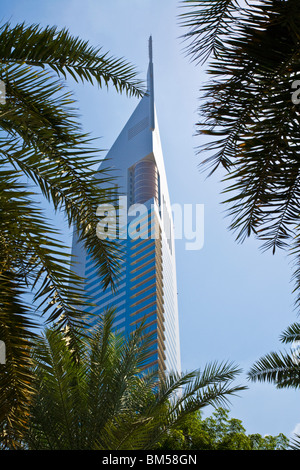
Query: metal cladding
pixel 145 181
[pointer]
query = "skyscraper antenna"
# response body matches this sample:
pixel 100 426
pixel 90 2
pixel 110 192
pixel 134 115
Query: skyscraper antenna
pixel 150 48
pixel 150 86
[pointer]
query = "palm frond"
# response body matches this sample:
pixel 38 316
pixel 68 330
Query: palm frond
pixel 291 334
pixel 16 378
pixel 247 109
pixel 57 158
pixel 66 55
pixel 208 24
pixel 102 399
pixel 248 113
pixel 295 443
pixel 282 369
pixel 45 154
pixel 178 396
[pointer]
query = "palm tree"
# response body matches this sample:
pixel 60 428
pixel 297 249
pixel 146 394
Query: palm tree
pixel 45 154
pixel 281 369
pixel 99 398
pixel 248 111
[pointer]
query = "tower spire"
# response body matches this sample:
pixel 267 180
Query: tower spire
pixel 150 50
pixel 150 84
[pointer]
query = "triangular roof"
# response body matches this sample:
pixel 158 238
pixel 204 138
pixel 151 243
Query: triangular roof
pixel 139 137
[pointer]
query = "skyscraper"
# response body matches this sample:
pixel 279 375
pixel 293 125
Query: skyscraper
pixel 147 288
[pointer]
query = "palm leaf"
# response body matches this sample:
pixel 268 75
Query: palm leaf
pixel 291 334
pixel 101 399
pixel 208 24
pixel 45 154
pixel 282 369
pixel 248 113
pixel 65 55
pixel 16 379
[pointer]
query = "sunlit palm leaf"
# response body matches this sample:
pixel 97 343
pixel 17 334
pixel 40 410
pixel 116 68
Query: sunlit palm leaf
pixel 66 55
pixel 282 369
pixel 102 400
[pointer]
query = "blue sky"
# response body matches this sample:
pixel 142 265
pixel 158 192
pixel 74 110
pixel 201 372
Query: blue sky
pixel 234 301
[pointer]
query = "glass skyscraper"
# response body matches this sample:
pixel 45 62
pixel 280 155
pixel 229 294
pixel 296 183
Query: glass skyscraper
pixel 147 289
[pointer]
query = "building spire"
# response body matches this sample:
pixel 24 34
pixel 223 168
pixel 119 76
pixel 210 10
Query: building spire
pixel 150 85
pixel 150 50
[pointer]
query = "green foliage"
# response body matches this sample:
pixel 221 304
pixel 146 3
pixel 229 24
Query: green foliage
pixel 97 397
pixel 219 432
pixel 45 155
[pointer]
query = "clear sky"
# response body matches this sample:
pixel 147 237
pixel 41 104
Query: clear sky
pixel 234 301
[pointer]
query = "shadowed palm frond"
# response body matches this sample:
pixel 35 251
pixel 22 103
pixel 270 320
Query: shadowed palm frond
pixel 16 378
pixel 248 111
pixel 208 23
